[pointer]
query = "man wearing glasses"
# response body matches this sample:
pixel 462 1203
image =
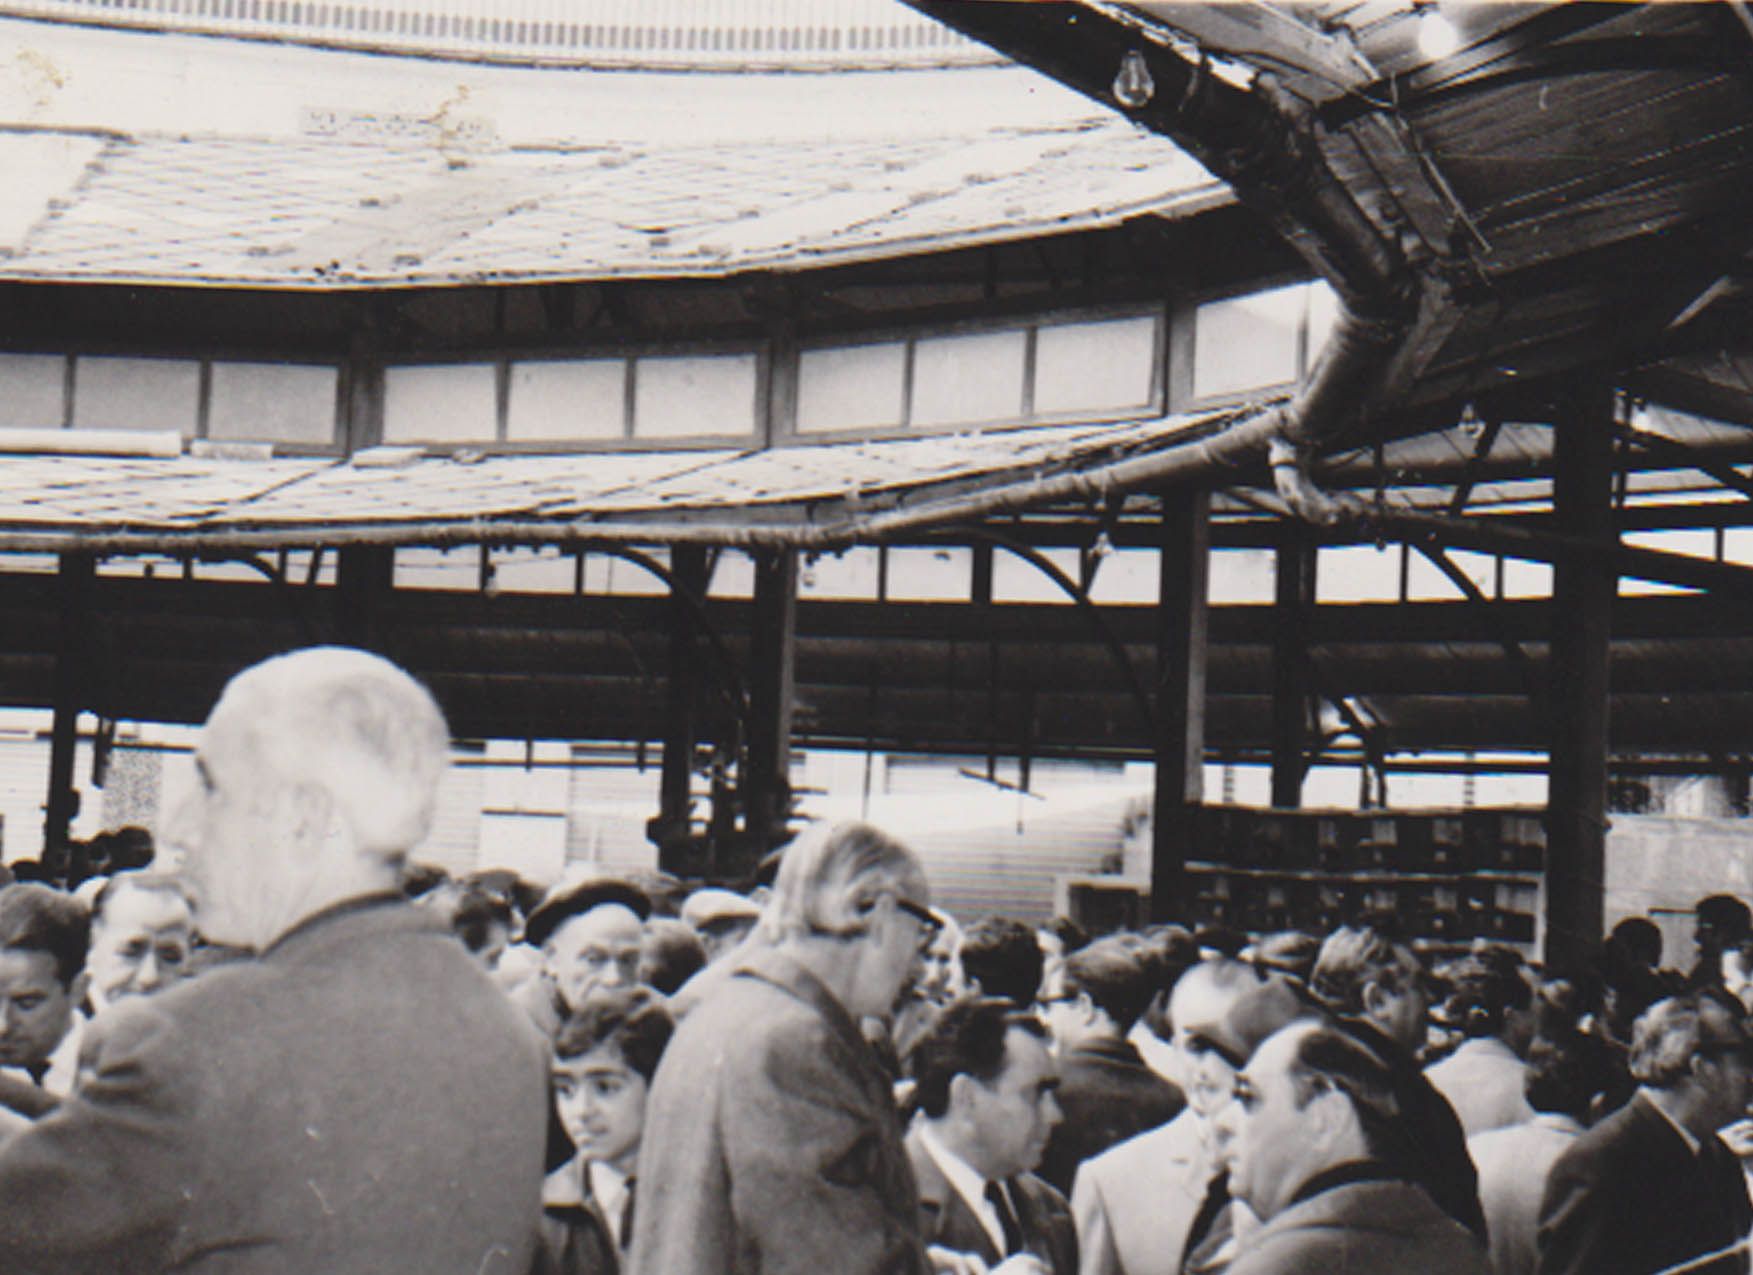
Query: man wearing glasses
pixel 771 1142
pixel 1652 1186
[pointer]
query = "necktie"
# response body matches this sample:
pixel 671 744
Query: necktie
pixel 999 1199
pixel 627 1217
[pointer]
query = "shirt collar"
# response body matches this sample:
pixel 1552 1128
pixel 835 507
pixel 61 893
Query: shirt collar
pixel 964 1181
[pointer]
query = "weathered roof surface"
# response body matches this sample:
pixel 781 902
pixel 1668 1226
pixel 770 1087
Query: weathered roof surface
pixel 327 213
pixel 176 159
pixel 642 34
pixel 195 502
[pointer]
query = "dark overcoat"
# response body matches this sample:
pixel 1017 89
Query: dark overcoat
pixel 360 1100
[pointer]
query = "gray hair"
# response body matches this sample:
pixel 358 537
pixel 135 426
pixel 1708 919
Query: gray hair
pixel 832 875
pixel 1674 1031
pixel 355 726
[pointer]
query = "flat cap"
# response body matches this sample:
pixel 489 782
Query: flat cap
pixel 567 901
pixel 704 907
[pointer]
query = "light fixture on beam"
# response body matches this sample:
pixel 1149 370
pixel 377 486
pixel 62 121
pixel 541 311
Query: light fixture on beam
pixel 1437 36
pixel 1133 85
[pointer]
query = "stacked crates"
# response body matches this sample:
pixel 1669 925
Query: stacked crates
pixel 1449 876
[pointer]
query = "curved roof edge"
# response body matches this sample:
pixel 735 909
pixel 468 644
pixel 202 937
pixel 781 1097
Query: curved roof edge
pixel 668 35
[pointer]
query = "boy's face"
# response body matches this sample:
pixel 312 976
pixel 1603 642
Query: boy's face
pixel 602 1105
pixel 36 1008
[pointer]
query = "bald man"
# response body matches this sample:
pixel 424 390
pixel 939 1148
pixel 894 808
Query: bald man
pixel 357 1100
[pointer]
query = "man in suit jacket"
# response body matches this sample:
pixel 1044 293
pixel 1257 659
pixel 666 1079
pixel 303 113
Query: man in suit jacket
pixel 984 1087
pixel 1105 1090
pixel 771 1138
pixel 1652 1186
pixel 361 1099
pixel 1376 988
pixel 1135 1204
pixel 1309 1161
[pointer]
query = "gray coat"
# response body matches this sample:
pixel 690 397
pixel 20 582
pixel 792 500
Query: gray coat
pixel 771 1141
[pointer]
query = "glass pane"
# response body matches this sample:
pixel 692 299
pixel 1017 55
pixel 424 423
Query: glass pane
pixel 33 390
pixel 1248 343
pixel 851 573
pixel 859 387
pixel 694 395
pixel 585 398
pixel 440 403
pixel 273 402
pixel 931 575
pixel 120 393
pixel 1016 579
pixel 1095 367
pixel 1360 573
pixel 964 380
pixel 1241 575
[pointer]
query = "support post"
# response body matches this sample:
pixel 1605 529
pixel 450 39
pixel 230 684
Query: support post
pixel 677 851
pixel 364 577
pixel 1292 616
pixel 1582 606
pixel 766 781
pixel 76 581
pixel 1184 558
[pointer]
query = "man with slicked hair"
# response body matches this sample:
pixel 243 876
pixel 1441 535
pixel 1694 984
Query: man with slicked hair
pixel 771 1139
pixel 1652 1186
pixel 1106 1091
pixel 359 1099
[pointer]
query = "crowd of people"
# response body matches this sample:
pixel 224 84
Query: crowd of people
pixel 305 1054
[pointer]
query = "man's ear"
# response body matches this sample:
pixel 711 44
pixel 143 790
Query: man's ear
pixel 1329 1112
pixel 960 1092
pixel 80 987
pixel 1375 1000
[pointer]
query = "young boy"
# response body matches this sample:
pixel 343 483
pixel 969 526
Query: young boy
pixel 606 1053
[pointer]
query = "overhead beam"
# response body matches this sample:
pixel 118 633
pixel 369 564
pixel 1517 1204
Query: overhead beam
pixel 1239 135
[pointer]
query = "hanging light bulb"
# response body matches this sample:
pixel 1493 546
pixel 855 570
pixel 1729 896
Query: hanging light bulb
pixel 1133 87
pixel 1437 37
pixel 1472 426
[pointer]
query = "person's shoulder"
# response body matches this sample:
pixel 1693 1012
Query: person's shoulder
pixel 1174 1142
pixel 217 997
pixel 1624 1136
pixel 1362 1228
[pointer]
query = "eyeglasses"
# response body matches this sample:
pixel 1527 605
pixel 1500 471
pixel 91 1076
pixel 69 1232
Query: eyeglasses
pixel 922 915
